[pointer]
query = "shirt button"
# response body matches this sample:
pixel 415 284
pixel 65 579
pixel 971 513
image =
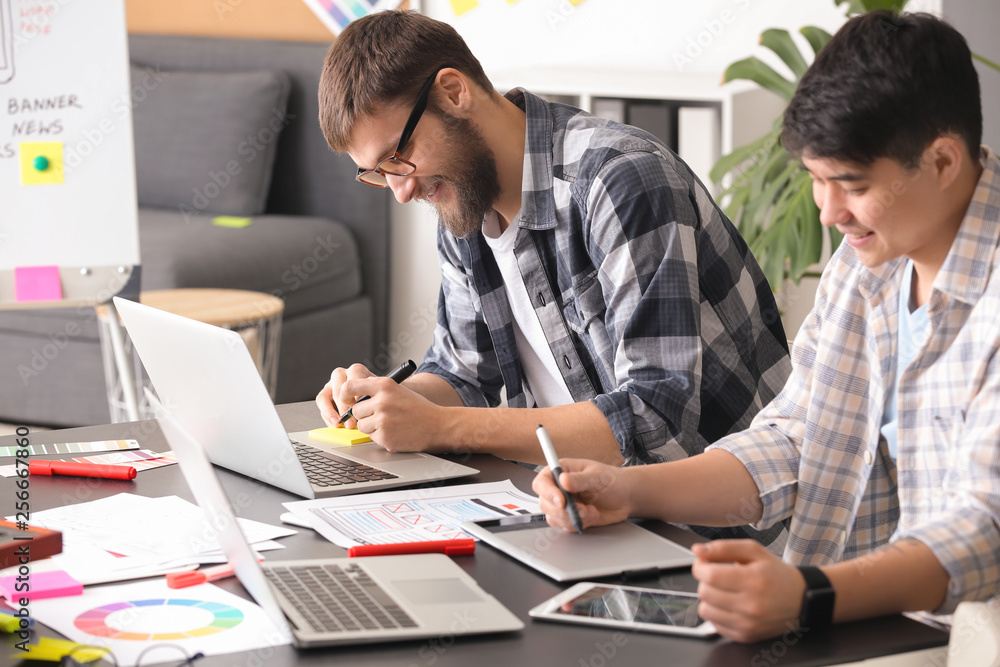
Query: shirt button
pixel 541 299
pixel 567 361
pixel 868 458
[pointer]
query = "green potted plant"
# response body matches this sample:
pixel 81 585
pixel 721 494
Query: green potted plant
pixel 767 193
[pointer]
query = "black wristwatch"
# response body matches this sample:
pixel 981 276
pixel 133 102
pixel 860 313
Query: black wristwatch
pixel 818 600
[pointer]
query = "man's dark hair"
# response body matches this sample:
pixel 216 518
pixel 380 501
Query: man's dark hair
pixel 886 85
pixel 384 58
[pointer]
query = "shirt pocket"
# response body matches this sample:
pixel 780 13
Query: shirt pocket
pixel 948 428
pixel 585 308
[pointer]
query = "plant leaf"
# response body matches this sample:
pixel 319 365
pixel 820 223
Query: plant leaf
pixel 735 159
pixel 754 69
pixel 864 6
pixel 817 37
pixel 781 43
pixel 986 61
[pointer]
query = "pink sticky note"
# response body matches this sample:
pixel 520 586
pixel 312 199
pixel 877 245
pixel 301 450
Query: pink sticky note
pixel 38 585
pixel 37 283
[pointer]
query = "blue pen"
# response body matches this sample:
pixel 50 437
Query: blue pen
pixel 553 460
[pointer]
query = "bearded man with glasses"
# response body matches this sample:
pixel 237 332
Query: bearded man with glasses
pixel 586 270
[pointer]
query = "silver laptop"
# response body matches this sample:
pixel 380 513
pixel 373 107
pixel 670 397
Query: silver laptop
pixel 320 602
pixel 622 549
pixel 205 375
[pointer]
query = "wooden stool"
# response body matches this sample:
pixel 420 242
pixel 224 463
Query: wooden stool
pixel 254 315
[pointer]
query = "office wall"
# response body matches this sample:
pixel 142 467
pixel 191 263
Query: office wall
pixel 255 19
pixel 978 21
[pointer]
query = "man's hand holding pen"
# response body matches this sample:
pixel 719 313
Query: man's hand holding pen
pixel 395 417
pixel 600 492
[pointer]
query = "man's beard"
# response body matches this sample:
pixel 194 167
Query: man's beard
pixel 470 170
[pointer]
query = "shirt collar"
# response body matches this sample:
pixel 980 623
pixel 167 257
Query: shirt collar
pixel 537 198
pixel 966 269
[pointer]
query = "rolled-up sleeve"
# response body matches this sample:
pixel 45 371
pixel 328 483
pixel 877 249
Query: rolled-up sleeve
pixel 771 449
pixel 647 263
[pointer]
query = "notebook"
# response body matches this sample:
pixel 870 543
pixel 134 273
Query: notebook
pixel 322 602
pixel 206 377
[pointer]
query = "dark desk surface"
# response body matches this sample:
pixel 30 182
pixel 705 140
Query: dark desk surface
pixel 516 586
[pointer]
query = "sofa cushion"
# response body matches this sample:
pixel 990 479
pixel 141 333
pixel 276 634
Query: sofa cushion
pixel 308 262
pixel 205 141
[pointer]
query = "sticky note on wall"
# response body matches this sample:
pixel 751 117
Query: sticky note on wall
pixel 37 283
pixel 462 6
pixel 41 162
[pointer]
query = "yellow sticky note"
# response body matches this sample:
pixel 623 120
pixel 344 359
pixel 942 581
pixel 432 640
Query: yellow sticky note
pixel 41 162
pixel 575 2
pixel 340 436
pixel 462 6
pixel 231 221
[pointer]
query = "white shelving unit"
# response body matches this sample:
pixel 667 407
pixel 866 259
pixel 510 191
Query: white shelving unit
pixel 744 111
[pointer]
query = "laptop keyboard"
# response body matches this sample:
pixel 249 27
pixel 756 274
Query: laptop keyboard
pixel 338 599
pixel 324 469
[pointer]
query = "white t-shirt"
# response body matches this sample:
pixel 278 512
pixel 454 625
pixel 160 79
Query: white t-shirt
pixel 545 384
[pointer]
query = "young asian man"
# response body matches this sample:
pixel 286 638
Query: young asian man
pixel 883 449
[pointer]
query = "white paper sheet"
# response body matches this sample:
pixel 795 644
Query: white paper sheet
pixel 165 528
pixel 199 618
pixel 414 515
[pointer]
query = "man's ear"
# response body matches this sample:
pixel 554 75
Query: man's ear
pixel 946 156
pixel 455 95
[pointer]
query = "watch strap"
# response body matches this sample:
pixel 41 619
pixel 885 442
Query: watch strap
pixel 818 599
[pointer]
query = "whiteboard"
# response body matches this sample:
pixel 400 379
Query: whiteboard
pixel 64 97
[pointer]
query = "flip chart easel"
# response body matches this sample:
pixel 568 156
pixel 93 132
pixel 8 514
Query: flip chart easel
pixel 68 220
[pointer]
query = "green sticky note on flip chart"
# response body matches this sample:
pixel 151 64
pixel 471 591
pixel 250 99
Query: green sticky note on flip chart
pixel 231 221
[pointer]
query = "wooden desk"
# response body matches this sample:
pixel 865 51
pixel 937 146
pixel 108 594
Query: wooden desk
pixel 516 586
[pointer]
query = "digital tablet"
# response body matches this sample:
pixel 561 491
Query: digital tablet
pixel 627 607
pixel 622 549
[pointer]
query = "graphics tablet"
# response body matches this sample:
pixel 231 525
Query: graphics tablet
pixel 620 549
pixel 628 608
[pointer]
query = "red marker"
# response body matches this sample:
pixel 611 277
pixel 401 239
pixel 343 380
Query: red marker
pixel 193 577
pixel 463 547
pixel 43 467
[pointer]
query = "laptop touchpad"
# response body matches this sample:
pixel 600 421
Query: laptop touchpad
pixel 376 454
pixel 437 591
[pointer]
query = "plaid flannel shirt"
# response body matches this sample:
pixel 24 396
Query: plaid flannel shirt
pixel 816 451
pixel 650 301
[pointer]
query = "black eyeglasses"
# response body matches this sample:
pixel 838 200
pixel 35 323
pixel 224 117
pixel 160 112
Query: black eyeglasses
pixel 395 165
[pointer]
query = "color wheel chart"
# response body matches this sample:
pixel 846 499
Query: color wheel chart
pixel 158 619
pixel 336 14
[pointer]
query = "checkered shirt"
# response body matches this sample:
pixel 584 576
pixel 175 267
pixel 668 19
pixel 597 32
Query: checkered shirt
pixel 816 452
pixel 650 301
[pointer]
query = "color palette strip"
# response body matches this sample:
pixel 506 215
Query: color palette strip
pixel 143 459
pixel 96 621
pixel 73 447
pixel 336 14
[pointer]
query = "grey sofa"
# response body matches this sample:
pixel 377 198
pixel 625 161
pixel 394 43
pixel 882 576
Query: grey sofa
pixel 321 244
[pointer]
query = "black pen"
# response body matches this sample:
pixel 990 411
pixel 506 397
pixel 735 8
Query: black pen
pixel 553 460
pixel 398 374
